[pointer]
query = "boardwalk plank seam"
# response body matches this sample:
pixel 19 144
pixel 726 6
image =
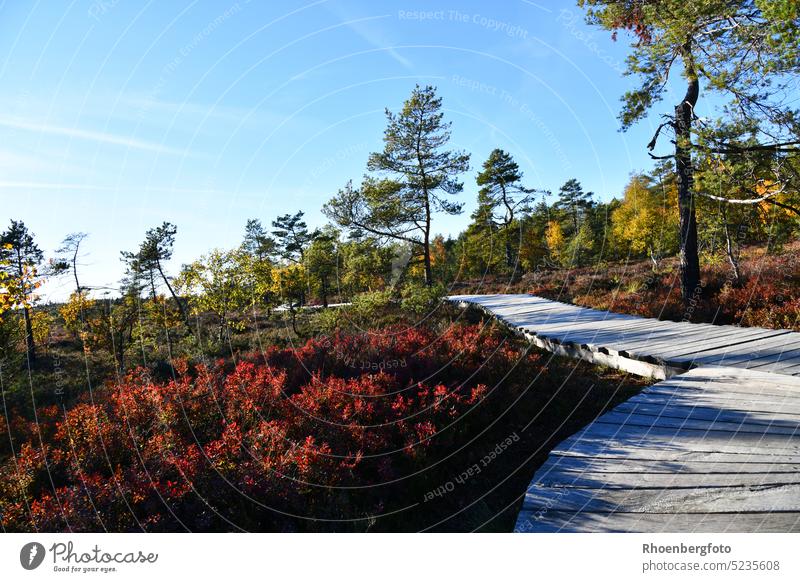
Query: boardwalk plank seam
pixel 715 447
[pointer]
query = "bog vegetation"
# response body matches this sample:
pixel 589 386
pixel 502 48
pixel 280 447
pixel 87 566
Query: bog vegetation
pixel 212 396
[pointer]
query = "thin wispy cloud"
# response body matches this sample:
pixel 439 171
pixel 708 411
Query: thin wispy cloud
pixel 145 106
pixel 90 135
pixel 365 30
pixel 47 186
pixel 21 165
pixel 14 161
pixel 31 185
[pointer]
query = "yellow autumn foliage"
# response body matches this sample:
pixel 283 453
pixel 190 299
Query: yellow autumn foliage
pixel 554 236
pixel 646 222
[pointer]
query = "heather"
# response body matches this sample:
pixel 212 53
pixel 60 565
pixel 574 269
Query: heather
pixel 348 432
pixel 766 294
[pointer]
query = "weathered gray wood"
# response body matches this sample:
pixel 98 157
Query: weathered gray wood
pixel 788 362
pixel 660 481
pixel 595 333
pixel 738 355
pixel 713 449
pixel 623 452
pixel 622 418
pixel 656 339
pixel 689 500
pixel 544 521
pixel 754 380
pixel 638 367
pixel 722 392
pixel 691 437
pixel 671 346
pixel 772 344
pixel 753 357
pixel 625 465
pixel 693 334
pixel 709 341
pixel 586 445
pixel 656 406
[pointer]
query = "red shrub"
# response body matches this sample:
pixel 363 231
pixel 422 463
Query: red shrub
pixel 321 431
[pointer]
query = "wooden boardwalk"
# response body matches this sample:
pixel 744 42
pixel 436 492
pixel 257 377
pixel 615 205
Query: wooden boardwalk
pixel 712 449
pixel 647 347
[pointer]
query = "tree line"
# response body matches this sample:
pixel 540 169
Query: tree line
pixel 731 179
pixel 381 236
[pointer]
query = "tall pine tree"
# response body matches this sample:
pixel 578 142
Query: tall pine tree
pixel 502 197
pixel 419 172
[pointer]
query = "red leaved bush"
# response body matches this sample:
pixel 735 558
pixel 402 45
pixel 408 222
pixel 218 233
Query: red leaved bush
pixel 768 294
pixel 320 437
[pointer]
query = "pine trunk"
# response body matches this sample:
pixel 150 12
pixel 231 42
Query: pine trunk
pixel 689 260
pixel 29 343
pixel 175 298
pixel 509 250
pixel 428 270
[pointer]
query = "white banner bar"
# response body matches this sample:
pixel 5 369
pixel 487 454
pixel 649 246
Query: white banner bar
pixel 401 557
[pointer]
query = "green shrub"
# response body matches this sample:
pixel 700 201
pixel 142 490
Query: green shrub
pixel 420 299
pixel 370 304
pixel 327 321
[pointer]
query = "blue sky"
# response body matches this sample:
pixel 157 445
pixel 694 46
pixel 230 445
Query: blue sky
pixel 118 115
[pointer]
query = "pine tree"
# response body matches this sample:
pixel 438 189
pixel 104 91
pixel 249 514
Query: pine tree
pixel 20 258
pixel 744 50
pixel 502 197
pixel 257 242
pixel 321 263
pixel 421 172
pixel 574 203
pixel 292 236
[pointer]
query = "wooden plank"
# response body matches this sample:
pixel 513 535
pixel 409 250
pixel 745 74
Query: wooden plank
pixel 563 322
pixel 658 407
pixel 714 341
pixel 691 335
pixel 598 331
pixel 552 307
pixel 612 338
pixel 712 384
pixel 744 382
pixel 579 337
pixel 627 464
pixel 693 329
pixel 690 500
pixel 746 358
pixel 714 376
pixel 723 392
pixel 560 521
pixel 544 325
pixel 587 324
pixel 714 449
pixel 639 434
pixel 792 369
pixel 665 449
pixel 638 367
pixel 738 356
pixel 648 340
pixel 575 334
pixel 660 481
pixel 656 339
pixel 785 363
pixel 622 452
pixel 772 344
pixel 664 420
